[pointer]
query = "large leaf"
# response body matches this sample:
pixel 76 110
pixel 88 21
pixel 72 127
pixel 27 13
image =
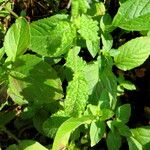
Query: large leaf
pixel 27 145
pixel 123 113
pixel 133 15
pixel 88 29
pixel 17 38
pixel 52 36
pixel 133 53
pixel 63 133
pixel 97 130
pixel 77 90
pixel 142 134
pixel 34 80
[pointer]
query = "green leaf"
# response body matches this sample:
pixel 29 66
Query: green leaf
pixel 113 141
pixel 91 72
pixel 51 125
pixel 79 7
pixel 122 128
pixel 77 90
pixel 52 36
pixel 88 30
pixel 63 133
pixel 97 130
pixel 17 39
pixel 27 145
pixel 6 117
pixel 77 95
pixel 132 15
pixel 134 144
pixel 74 62
pixel 123 113
pixel 34 80
pixel 133 53
pixel 106 114
pixel 142 134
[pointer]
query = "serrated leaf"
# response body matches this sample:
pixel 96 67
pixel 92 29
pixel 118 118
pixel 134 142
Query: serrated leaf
pixel 74 62
pixel 132 15
pixel 97 130
pixel 17 39
pixel 113 141
pixel 52 36
pixel 63 133
pixel 77 95
pixel 27 145
pixel 51 125
pixel 133 53
pixel 142 134
pixel 123 113
pixel 79 7
pixel 88 30
pixel 35 81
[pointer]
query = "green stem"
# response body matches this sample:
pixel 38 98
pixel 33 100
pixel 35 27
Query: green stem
pixel 10 11
pixel 10 134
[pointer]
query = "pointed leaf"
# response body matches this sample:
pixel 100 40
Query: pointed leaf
pixel 133 53
pixel 132 15
pixel 17 38
pixel 63 133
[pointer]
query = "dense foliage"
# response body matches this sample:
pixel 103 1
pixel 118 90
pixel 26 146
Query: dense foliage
pixel 59 71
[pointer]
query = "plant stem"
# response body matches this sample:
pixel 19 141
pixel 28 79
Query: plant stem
pixel 10 134
pixel 13 13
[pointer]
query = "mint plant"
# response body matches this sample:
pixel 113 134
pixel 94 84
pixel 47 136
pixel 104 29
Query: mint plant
pixel 45 54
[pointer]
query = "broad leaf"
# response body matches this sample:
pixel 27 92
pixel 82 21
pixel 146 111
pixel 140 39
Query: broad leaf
pixel 142 134
pixel 97 130
pixel 123 113
pixel 63 133
pixel 52 36
pixel 88 29
pixel 17 39
pixel 133 53
pixel 132 15
pixel 34 80
pixel 113 141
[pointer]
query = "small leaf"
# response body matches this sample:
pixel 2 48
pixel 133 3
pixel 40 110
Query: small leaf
pixel 106 114
pixel 113 141
pixel 132 15
pixel 2 52
pixel 97 130
pixel 17 39
pixel 88 29
pixel 123 113
pixel 133 53
pixel 63 133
